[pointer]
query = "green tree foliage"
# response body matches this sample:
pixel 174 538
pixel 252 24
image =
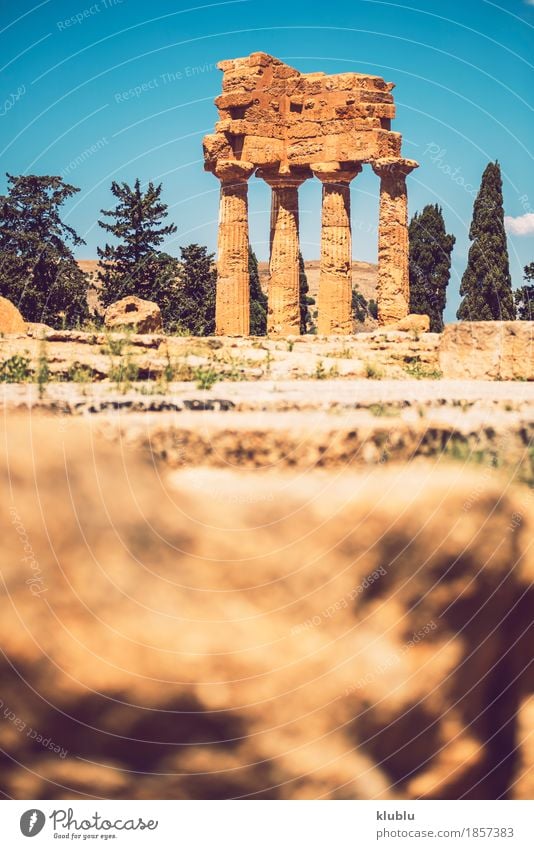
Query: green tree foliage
pixel 135 265
pixel 258 299
pixel 524 296
pixel 195 305
pixel 306 323
pixel 38 271
pixel 360 306
pixel 486 284
pixel 430 264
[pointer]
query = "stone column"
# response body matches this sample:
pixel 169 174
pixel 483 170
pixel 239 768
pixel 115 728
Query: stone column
pixel 284 306
pixel 274 216
pixel 232 305
pixel 393 295
pixel 335 277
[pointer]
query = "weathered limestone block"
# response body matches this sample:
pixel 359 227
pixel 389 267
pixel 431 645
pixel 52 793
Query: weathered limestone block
pixel 413 321
pixel 136 313
pixel 232 308
pixel 262 89
pixel 393 277
pixel 488 350
pixel 11 320
pixel 335 280
pixel 37 329
pixel 216 146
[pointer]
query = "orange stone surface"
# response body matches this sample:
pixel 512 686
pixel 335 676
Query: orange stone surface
pixel 289 126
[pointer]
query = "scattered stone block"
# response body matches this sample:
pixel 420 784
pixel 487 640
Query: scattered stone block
pixel 134 313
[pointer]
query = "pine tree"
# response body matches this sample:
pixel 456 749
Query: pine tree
pixel 195 310
pixel 306 324
pixel 258 298
pixel 486 285
pixel 38 271
pixel 524 296
pixel 430 264
pixel 136 266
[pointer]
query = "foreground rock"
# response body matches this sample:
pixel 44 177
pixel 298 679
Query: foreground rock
pixel 494 350
pixel 213 635
pixel 134 313
pixel 11 320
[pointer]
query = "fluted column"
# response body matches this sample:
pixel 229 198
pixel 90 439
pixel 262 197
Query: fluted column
pixel 232 305
pixel 283 301
pixel 393 275
pixel 274 216
pixel 335 276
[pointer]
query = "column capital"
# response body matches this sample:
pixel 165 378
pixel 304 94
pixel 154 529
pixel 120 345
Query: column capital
pixel 283 177
pixel 233 170
pixel 336 172
pixel 389 166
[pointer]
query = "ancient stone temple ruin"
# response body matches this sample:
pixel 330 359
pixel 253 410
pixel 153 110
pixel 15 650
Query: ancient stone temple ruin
pixel 287 127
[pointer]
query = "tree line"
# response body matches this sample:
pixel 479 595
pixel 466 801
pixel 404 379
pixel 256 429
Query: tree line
pixel 486 286
pixel 39 273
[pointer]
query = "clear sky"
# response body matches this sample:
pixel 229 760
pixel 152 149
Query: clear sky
pixel 126 88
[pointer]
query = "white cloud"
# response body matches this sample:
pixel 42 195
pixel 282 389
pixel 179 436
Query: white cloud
pixel 523 225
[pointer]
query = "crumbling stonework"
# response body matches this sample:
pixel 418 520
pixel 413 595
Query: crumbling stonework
pixel 393 296
pixel 288 127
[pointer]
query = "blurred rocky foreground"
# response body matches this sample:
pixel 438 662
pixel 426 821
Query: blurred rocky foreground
pixel 349 632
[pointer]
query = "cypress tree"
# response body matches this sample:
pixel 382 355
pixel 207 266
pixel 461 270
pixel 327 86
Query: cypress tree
pixel 195 307
pixel 258 298
pixel 486 284
pixel 524 296
pixel 430 264
pixel 38 271
pixel 136 266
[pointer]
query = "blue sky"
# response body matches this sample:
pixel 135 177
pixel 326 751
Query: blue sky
pixel 128 86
